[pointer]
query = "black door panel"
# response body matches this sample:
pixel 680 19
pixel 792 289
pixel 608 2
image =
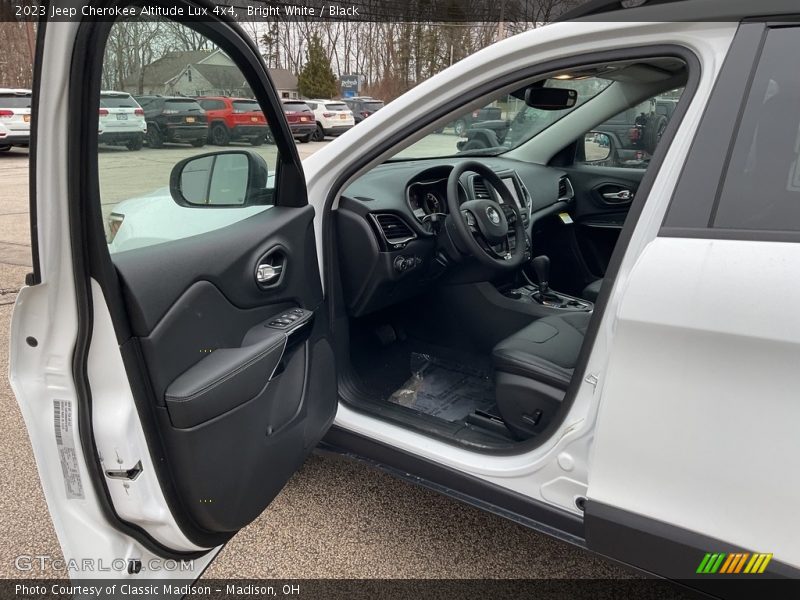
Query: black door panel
pixel 156 276
pixel 603 196
pixel 231 386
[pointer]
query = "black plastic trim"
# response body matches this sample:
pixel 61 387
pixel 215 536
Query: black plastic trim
pixel 451 482
pixel 329 234
pixel 671 551
pixel 35 277
pixel 753 235
pixel 699 184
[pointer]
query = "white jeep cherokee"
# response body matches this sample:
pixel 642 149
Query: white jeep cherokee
pixel 121 121
pixel 15 118
pixel 333 118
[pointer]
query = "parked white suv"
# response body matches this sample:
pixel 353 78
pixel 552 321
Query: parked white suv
pixel 333 118
pixel 15 118
pixel 121 120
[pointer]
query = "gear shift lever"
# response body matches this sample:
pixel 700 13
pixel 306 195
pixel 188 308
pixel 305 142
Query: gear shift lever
pixel 541 265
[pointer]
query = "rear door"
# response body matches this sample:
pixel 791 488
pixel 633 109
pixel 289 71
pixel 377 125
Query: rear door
pixel 696 450
pixel 171 354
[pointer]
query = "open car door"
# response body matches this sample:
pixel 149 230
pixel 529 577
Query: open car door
pixel 170 354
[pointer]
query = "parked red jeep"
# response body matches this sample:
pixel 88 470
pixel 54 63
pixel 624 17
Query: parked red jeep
pixel 234 120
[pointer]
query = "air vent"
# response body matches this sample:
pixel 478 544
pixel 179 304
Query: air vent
pixel 393 228
pixel 480 190
pixel 565 191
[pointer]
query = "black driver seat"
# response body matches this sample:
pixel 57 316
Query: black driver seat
pixel 533 369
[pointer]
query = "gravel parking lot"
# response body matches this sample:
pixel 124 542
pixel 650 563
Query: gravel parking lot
pixel 336 518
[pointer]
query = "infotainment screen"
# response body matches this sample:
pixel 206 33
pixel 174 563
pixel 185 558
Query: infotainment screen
pixel 509 183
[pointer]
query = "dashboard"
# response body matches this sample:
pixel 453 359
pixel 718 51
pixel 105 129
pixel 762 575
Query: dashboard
pixel 389 221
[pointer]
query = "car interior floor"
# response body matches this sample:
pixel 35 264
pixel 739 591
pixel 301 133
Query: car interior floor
pixel 394 365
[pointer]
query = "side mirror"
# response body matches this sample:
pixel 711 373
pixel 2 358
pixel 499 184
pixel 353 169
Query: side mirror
pixel 597 147
pixel 545 98
pixel 226 179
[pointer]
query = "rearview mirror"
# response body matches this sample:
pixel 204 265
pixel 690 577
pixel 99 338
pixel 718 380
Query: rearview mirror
pixel 545 98
pixel 226 179
pixel 597 146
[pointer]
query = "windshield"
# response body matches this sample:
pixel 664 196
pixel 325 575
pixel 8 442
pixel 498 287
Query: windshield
pixel 15 101
pixel 502 124
pixel 336 106
pixel 371 106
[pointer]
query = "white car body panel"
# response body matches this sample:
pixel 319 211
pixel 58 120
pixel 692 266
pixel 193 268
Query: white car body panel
pixel 340 118
pixel 556 472
pixel 702 427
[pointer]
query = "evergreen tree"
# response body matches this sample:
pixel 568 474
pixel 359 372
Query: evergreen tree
pixel 316 79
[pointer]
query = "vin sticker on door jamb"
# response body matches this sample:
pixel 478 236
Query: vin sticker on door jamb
pixel 65 440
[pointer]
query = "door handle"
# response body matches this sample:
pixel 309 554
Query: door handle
pixel 271 268
pixel 619 196
pixel 267 273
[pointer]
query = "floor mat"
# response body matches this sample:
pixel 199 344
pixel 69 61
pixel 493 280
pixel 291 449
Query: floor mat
pixel 444 388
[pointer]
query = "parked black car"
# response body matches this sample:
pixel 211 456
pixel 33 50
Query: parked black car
pixel 475 119
pixel 174 119
pixel 363 107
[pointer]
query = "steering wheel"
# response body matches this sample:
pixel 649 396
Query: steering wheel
pixel 481 226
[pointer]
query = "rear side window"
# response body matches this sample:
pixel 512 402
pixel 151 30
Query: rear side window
pixel 15 100
pixel 296 107
pixel 118 102
pixel 212 104
pixel 761 189
pixel 182 105
pixel 241 106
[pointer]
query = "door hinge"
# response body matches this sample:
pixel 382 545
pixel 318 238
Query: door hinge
pixel 129 474
pixel 592 379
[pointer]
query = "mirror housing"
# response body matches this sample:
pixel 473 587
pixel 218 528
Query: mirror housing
pixel 598 147
pixel 224 179
pixel 549 98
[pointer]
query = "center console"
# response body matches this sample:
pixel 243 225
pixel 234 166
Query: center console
pixel 550 299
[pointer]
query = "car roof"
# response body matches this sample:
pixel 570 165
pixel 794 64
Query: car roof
pixel 113 93
pixel 679 10
pixel 18 91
